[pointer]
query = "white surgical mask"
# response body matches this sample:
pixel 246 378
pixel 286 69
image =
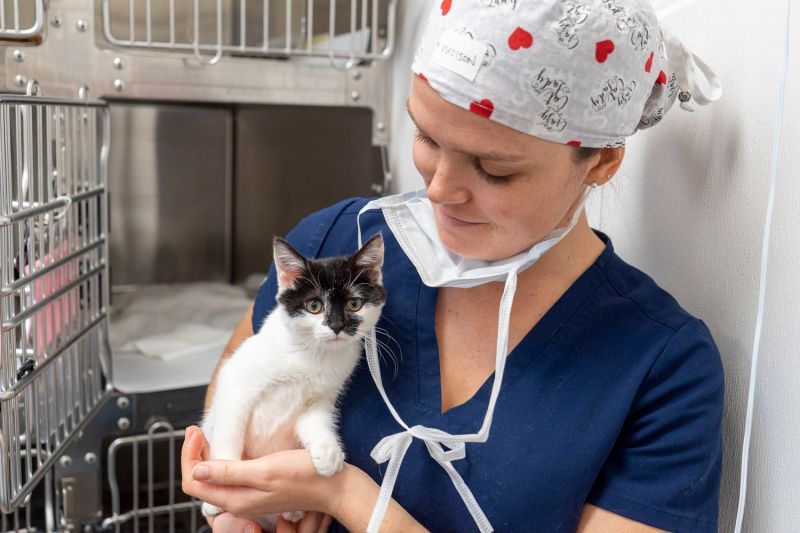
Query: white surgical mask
pixel 411 220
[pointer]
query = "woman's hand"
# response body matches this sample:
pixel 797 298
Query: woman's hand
pixel 286 481
pixel 276 483
pixel 230 523
pixel 312 522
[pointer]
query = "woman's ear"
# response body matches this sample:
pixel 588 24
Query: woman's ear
pixel 606 166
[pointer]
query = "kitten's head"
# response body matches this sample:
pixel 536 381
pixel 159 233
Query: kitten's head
pixel 335 300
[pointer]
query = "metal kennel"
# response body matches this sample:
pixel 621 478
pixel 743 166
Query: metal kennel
pixel 144 150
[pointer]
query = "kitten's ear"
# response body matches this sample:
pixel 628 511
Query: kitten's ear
pixel 288 262
pixel 370 258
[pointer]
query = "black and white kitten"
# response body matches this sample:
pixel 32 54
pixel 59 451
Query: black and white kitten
pixel 278 390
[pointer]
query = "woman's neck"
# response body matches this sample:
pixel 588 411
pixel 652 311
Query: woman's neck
pixel 564 263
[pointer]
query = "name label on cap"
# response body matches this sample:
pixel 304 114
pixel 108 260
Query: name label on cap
pixel 460 54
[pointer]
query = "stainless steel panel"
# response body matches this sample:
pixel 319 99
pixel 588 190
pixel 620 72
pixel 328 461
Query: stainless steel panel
pixel 291 161
pixel 169 183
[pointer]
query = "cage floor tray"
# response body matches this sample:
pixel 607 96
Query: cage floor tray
pixel 171 336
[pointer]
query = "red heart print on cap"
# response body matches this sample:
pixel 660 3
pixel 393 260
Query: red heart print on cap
pixel 662 78
pixel 649 64
pixel 484 108
pixel 576 144
pixel 520 38
pixel 604 49
pixel 446 5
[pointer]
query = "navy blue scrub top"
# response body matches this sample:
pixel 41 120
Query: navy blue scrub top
pixel 615 398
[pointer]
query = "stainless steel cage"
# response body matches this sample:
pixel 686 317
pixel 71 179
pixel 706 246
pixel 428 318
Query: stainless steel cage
pixel 160 490
pixel 21 20
pixel 46 516
pixel 54 286
pixel 58 432
pixel 212 28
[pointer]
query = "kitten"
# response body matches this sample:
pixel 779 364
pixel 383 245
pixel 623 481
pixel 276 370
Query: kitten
pixel 278 390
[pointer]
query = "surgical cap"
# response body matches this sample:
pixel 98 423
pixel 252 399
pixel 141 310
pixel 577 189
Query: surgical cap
pixel 579 72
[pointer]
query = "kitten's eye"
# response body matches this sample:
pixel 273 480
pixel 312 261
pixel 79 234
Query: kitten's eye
pixel 354 304
pixel 314 306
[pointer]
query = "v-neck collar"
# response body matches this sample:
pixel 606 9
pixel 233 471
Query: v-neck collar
pixel 468 416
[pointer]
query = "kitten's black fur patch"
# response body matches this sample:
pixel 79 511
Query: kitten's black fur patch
pixel 334 281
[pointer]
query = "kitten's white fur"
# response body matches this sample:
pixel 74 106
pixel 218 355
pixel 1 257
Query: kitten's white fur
pixel 278 391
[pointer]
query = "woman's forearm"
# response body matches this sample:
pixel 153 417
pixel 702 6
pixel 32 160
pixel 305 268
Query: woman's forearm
pixel 356 499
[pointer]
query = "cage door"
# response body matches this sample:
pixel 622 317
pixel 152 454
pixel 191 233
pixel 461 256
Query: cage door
pixel 54 364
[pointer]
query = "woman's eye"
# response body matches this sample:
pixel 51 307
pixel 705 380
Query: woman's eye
pixel 354 304
pixel 424 139
pixel 491 177
pixel 314 306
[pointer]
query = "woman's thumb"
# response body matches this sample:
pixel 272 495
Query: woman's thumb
pixel 224 472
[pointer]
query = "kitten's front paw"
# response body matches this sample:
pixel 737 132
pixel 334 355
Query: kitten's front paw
pixel 328 457
pixel 210 510
pixel 293 516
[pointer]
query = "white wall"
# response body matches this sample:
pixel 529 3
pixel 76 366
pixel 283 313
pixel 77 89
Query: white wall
pixel 411 16
pixel 688 208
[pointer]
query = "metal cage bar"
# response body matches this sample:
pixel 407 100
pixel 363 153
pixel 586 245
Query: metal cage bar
pixel 54 363
pixel 45 518
pixel 21 20
pixel 164 506
pixel 236 27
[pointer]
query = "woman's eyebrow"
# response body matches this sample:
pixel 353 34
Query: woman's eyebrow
pixel 491 155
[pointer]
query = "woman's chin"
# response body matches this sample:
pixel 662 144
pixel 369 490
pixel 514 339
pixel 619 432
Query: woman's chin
pixel 461 245
pixel 472 247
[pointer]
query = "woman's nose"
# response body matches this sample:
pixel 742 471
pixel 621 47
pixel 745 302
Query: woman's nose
pixel 449 182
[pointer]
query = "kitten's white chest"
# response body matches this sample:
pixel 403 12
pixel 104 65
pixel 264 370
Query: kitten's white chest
pixel 271 424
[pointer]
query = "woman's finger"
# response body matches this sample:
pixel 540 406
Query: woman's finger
pixel 327 520
pixel 229 523
pixel 284 526
pixel 244 473
pixel 205 450
pixel 191 454
pixel 310 522
pixel 223 496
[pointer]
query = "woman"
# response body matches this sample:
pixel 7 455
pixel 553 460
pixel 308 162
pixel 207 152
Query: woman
pixel 607 411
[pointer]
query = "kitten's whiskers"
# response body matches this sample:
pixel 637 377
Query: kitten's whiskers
pixel 383 346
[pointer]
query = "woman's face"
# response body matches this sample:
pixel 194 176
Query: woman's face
pixel 495 191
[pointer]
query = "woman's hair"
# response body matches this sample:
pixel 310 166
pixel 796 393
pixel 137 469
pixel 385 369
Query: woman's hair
pixel 581 154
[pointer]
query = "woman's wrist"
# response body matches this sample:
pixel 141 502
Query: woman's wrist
pixel 353 498
pixel 338 487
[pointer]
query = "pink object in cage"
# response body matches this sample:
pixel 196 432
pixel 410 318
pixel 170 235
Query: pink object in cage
pixel 50 321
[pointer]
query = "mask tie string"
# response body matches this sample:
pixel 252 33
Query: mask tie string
pixel 393 448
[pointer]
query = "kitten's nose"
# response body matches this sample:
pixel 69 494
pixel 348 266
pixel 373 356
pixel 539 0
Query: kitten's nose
pixel 337 326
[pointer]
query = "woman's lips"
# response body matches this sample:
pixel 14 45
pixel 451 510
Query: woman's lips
pixel 454 221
